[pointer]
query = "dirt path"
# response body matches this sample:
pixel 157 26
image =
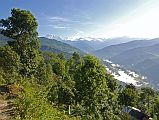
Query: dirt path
pixel 6 106
pixel 4 110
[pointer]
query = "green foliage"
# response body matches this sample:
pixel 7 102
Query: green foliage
pixel 156 106
pixel 89 78
pixel 112 83
pixel 129 96
pixel 9 60
pixel 73 64
pixel 21 27
pixel 9 78
pixel 92 91
pixel 33 105
pixel 20 23
pixel 146 100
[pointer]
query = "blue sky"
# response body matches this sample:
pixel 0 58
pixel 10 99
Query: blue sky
pixel 93 18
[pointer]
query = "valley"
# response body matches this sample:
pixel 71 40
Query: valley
pixel 124 75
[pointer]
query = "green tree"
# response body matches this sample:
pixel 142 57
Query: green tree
pixel 91 87
pixel 113 97
pixel 61 56
pixel 62 91
pixel 9 60
pixel 73 64
pixel 129 96
pixel 112 83
pixel 59 68
pixel 146 100
pixel 156 107
pixel 22 28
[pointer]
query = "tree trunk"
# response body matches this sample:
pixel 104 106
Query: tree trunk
pixel 69 109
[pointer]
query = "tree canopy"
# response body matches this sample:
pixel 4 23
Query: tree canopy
pixel 22 28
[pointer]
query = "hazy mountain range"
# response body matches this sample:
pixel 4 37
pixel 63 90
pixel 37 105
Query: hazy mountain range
pixel 89 45
pixel 141 56
pixel 112 50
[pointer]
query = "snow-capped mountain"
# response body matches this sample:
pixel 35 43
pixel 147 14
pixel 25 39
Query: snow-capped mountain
pixel 50 36
pixel 86 39
pixel 89 44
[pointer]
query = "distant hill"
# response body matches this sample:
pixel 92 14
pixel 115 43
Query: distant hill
pixel 134 56
pixel 141 56
pixel 113 50
pixel 144 60
pixel 149 68
pixel 55 46
pixel 82 45
pixel 146 64
pixel 89 44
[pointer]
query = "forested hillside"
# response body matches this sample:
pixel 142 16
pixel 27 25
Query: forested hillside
pixel 50 45
pixel 46 86
pixel 55 46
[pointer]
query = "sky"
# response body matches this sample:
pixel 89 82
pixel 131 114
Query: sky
pixel 91 18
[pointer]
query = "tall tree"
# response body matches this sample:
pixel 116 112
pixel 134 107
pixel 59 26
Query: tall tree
pixel 73 64
pixel 147 97
pixel 22 28
pixel 62 91
pixel 91 86
pixel 129 96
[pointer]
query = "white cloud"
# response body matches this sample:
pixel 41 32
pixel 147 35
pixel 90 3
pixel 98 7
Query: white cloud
pixel 57 27
pixel 62 19
pixel 59 19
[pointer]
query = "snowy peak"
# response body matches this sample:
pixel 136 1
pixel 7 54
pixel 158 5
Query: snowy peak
pixel 91 39
pixel 50 36
pixel 117 39
pixel 86 39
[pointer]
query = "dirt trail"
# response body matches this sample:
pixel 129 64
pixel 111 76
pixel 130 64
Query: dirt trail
pixel 5 110
pixel 6 106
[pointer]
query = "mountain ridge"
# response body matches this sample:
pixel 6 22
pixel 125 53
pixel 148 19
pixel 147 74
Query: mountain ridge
pixel 50 45
pixel 110 51
pixel 89 46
